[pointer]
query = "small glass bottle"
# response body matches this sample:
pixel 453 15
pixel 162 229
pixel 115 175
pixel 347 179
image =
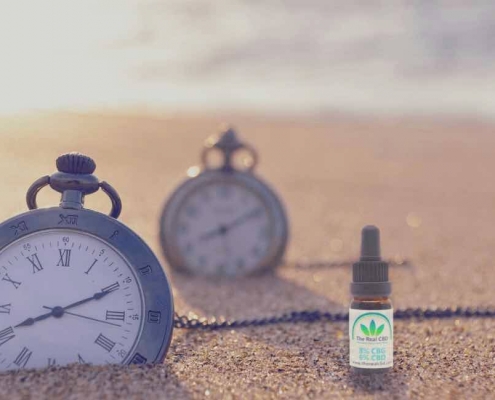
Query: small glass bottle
pixel 371 323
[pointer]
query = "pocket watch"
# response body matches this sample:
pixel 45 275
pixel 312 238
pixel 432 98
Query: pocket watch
pixel 77 286
pixel 225 220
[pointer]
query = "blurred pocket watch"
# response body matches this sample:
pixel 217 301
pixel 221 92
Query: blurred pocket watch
pixel 224 220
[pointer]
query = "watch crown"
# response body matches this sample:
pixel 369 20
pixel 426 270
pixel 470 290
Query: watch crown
pixel 76 163
pixel 228 141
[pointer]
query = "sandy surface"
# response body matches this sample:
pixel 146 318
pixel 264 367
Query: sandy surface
pixel 427 184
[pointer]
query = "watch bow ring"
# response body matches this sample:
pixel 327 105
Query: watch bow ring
pixel 74 179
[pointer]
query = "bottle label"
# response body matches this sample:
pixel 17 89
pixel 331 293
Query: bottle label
pixel 371 338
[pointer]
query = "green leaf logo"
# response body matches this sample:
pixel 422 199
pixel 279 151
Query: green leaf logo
pixel 372 327
pixel 372 330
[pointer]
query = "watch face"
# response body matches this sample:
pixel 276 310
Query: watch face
pixel 66 297
pixel 224 226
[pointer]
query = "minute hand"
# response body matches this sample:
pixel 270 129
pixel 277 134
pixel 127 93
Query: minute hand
pixel 31 321
pixel 96 296
pixel 243 218
pixel 223 229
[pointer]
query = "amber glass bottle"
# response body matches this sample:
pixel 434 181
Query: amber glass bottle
pixel 371 312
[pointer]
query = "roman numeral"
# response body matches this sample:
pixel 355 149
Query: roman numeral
pixel 138 359
pixel 91 266
pixel 23 357
pixel 115 315
pixel 145 270
pixel 6 335
pixel 5 309
pixel 154 317
pixel 111 288
pixel 80 360
pixel 6 278
pixel 104 342
pixel 64 260
pixel 35 262
pixel 52 362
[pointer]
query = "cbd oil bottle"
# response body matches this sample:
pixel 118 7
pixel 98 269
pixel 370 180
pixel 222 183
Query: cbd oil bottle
pixel 371 325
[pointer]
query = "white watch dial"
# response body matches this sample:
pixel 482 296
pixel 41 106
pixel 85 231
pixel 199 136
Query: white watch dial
pixel 223 228
pixel 66 297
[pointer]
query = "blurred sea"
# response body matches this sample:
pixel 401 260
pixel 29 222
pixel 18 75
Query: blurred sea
pixel 285 56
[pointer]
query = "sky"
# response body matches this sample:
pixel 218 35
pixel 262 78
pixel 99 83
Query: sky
pixel 426 57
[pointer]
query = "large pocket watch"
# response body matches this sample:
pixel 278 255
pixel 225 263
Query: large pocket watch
pixel 225 220
pixel 77 286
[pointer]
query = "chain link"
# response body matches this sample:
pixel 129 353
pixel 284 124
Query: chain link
pixel 184 322
pixel 302 264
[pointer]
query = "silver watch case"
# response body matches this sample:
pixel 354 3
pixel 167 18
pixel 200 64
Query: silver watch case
pixel 274 206
pixel 158 314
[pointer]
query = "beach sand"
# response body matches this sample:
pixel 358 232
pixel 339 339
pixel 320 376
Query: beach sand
pixel 428 184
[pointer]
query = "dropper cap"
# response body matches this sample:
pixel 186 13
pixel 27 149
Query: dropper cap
pixel 370 273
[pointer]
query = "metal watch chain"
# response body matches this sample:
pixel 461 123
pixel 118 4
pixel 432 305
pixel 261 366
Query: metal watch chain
pixel 185 322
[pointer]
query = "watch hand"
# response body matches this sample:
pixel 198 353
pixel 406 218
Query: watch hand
pixel 244 218
pixel 31 321
pixel 223 229
pixel 220 231
pixel 59 311
pixel 85 317
pixel 96 296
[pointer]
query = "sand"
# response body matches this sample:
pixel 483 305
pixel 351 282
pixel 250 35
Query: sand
pixel 428 184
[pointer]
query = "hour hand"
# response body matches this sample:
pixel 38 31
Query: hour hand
pixel 31 321
pixel 59 311
pixel 220 231
pixel 26 322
